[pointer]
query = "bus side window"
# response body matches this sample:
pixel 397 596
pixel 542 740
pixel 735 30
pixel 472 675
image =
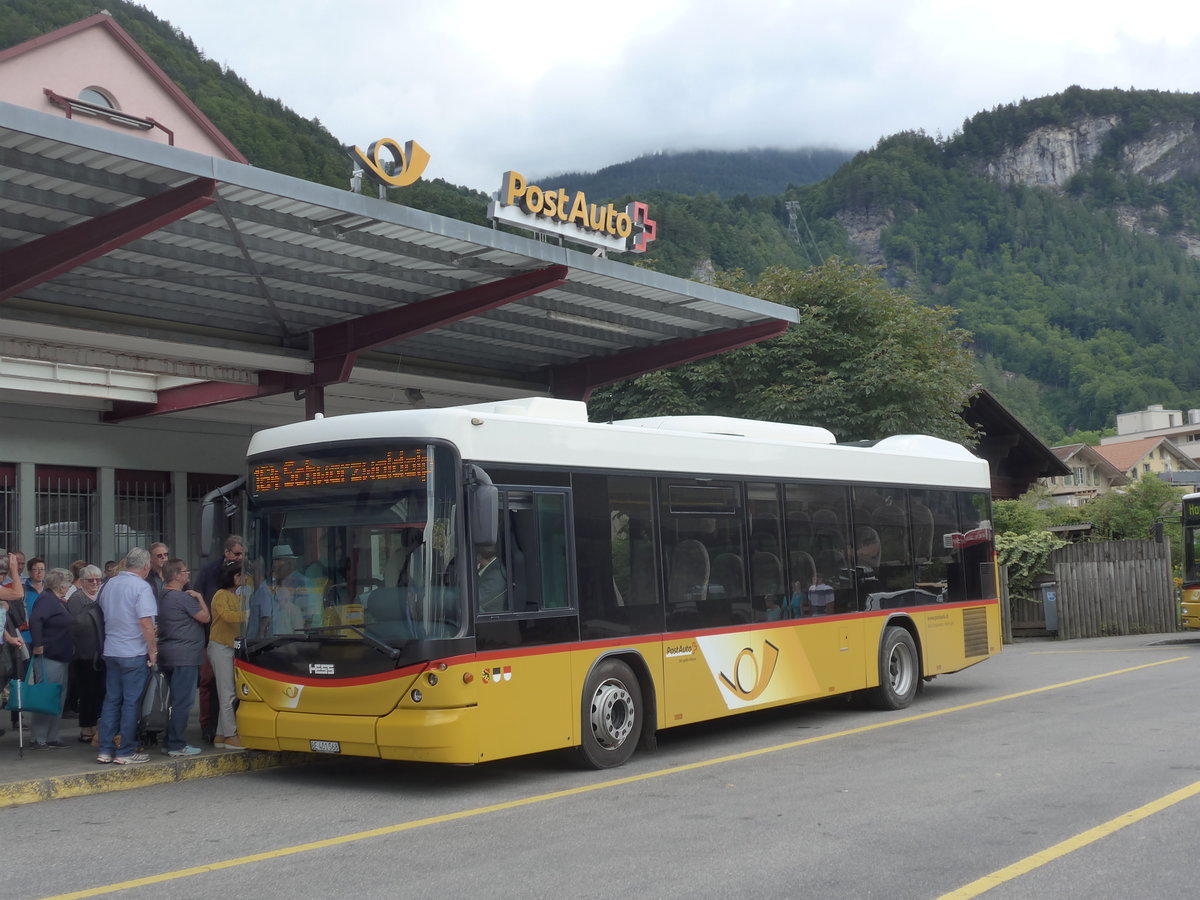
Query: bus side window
pixel 531 567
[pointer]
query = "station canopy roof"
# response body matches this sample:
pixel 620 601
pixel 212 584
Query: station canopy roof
pixel 144 279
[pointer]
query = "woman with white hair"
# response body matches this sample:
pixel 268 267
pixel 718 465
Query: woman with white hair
pixel 87 668
pixel 53 650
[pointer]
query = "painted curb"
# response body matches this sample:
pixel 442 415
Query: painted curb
pixel 124 778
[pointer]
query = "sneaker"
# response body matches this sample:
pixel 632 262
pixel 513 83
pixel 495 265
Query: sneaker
pixel 218 741
pixel 104 758
pixel 183 751
pixel 232 743
pixel 130 760
pixel 39 745
pixel 56 745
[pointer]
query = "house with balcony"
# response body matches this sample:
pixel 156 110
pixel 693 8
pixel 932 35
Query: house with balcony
pixel 1091 475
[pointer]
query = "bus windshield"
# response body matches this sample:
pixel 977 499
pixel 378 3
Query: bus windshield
pixel 345 557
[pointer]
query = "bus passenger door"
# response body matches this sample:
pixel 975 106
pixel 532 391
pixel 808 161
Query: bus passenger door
pixel 525 605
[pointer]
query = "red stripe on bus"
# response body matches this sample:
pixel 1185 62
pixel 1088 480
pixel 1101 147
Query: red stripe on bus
pixel 609 643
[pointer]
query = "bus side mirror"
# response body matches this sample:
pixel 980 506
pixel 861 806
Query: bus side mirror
pixel 217 502
pixel 484 506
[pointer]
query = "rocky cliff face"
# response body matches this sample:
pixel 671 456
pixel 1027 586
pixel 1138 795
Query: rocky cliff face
pixel 1051 155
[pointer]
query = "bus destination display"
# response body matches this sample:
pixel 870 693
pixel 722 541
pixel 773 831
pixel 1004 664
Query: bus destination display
pixel 306 473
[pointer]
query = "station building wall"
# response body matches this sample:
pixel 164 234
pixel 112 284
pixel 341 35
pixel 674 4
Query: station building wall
pixel 74 488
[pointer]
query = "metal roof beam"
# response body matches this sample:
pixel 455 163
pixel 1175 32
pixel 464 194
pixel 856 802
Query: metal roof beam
pixel 335 347
pixel 177 399
pixel 31 264
pixel 576 381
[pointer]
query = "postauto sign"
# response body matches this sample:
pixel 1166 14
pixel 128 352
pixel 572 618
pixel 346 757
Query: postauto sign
pixel 568 214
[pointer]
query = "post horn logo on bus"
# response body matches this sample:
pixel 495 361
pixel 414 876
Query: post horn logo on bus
pixel 408 162
pixel 749 678
pixel 568 214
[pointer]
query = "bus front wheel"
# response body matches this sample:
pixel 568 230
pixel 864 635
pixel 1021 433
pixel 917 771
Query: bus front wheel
pixel 612 715
pixel 899 670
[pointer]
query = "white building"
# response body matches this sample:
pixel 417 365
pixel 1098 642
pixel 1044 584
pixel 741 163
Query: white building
pixel 1182 429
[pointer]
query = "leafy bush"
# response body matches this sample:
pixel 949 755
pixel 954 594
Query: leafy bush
pixel 1026 556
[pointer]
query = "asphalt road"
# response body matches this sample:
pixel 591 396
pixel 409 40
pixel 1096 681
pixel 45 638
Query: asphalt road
pixel 1054 770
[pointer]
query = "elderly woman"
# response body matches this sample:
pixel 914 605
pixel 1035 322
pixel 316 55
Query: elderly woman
pixel 53 650
pixel 87 668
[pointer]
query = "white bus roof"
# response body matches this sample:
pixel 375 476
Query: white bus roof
pixel 542 431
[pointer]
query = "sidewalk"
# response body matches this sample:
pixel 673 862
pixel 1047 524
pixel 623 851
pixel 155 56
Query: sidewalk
pixel 73 772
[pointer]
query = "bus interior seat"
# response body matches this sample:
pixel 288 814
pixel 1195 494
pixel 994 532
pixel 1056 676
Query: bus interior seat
pixel 832 565
pixel 889 524
pixel 766 573
pixel 687 583
pixel 799 529
pixel 923 528
pixel 729 573
pixel 827 531
pixel 387 604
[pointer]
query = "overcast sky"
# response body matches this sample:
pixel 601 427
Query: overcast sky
pixel 545 86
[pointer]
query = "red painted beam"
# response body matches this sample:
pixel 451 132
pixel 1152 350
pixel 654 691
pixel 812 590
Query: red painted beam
pixel 335 347
pixel 31 264
pixel 206 393
pixel 576 381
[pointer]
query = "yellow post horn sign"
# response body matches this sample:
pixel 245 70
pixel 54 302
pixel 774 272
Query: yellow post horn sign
pixel 408 162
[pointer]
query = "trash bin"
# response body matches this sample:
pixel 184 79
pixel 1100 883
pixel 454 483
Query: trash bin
pixel 1049 591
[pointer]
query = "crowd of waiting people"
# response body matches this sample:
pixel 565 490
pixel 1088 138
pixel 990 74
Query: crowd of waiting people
pixel 100 634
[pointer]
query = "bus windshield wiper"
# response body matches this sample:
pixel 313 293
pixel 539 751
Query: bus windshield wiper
pixel 278 641
pixel 315 634
pixel 386 649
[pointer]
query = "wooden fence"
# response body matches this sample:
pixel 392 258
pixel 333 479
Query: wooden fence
pixel 1105 588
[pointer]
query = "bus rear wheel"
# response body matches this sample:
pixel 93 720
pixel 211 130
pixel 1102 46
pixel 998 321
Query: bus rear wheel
pixel 612 715
pixel 899 670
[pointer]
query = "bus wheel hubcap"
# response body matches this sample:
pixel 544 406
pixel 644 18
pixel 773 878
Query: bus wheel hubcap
pixel 612 714
pixel 901 670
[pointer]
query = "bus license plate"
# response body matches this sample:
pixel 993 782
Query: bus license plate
pixel 325 746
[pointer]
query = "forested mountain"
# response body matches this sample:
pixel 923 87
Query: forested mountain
pixel 755 173
pixel 1060 229
pixel 1065 230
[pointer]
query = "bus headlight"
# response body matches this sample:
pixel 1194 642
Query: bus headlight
pixel 416 695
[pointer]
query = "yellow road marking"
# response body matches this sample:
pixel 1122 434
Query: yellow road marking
pixel 1171 649
pixel 1070 845
pixel 574 792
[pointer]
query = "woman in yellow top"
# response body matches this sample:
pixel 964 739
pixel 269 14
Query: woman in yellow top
pixel 227 618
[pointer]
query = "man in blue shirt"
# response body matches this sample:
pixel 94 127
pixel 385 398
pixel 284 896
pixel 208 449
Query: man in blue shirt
pixel 130 648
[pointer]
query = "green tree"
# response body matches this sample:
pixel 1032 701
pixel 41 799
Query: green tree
pixel 1130 516
pixel 865 361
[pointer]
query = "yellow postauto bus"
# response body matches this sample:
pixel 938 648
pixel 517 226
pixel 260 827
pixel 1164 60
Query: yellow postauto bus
pixel 468 584
pixel 1190 588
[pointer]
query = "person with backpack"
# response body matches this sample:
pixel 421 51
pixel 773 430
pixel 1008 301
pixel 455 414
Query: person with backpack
pixel 87 668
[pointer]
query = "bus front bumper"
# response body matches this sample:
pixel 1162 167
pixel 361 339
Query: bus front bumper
pixel 421 735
